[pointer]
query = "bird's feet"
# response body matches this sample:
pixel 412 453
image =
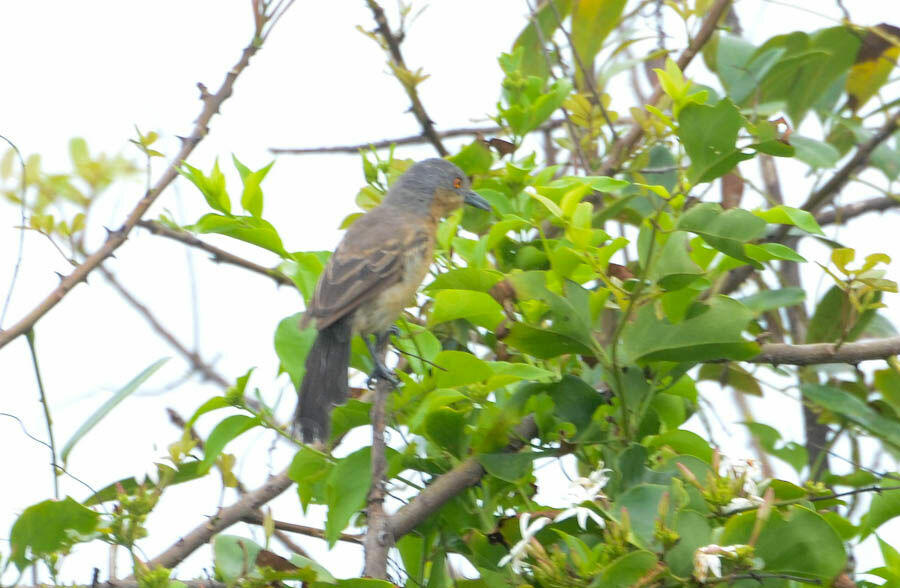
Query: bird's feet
pixel 382 372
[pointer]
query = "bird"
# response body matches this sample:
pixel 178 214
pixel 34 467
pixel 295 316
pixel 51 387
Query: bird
pixel 370 278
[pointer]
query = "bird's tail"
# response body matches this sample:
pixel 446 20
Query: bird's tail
pixel 325 382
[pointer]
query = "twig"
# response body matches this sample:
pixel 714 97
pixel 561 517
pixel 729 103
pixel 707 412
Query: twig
pixel 255 519
pixel 418 109
pixel 822 498
pixel 218 255
pixel 116 238
pixel 21 247
pixel 818 353
pixel 192 357
pixel 29 335
pixel 450 484
pixel 222 520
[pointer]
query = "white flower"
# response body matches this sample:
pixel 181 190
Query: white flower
pixel 528 531
pixel 707 560
pixel 590 488
pixel 746 469
pixel 742 502
pixel 581 513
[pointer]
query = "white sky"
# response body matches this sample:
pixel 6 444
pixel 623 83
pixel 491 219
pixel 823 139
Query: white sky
pixel 95 69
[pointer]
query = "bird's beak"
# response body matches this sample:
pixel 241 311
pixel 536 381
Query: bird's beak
pixel 476 201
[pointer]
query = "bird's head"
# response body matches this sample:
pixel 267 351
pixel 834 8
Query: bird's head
pixel 434 187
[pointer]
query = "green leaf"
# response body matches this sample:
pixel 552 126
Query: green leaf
pixel 465 278
pixel 445 427
pixel 304 269
pixel 714 333
pixel 421 347
pixel 625 571
pixel 347 486
pixel 547 17
pixel 772 299
pixel 474 158
pixel 228 429
pixel 693 531
pixel 49 527
pixel 292 345
pixel 570 314
pixel 642 503
pixel 740 67
pixel 708 134
pixel 309 469
pixel 110 404
pixel 459 369
pixel 770 251
pixel 541 343
pixel 708 219
pixel 682 442
pixel 800 542
pixel 185 472
pixel 212 187
pixel 816 154
pixel 244 228
pixel 511 467
pixel 235 557
pixel 848 406
pixel 787 215
pixel 252 196
pixel 675 269
pixel 477 307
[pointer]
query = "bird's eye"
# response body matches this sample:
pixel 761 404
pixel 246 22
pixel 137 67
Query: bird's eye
pixel 457 183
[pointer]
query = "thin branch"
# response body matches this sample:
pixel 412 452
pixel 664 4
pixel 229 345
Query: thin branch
pixel 822 498
pixel 222 520
pixel 192 357
pixel 218 255
pixel 622 148
pixel 21 247
pixel 254 519
pixel 46 405
pixel 408 140
pixel 842 214
pixel 452 483
pixel 819 353
pixel 116 238
pixel 393 43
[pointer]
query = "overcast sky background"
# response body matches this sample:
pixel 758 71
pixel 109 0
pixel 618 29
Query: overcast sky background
pixel 97 68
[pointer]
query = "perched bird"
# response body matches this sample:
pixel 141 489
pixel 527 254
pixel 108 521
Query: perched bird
pixel 371 277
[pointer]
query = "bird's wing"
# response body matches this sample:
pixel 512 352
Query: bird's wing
pixel 370 258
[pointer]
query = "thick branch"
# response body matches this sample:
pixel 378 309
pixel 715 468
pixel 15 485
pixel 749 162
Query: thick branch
pixel 448 485
pixel 821 197
pixel 818 353
pixel 192 357
pixel 218 255
pixel 393 43
pixel 221 521
pixel 115 239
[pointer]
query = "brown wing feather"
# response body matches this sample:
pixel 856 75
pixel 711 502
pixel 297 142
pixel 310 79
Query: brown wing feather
pixel 369 259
